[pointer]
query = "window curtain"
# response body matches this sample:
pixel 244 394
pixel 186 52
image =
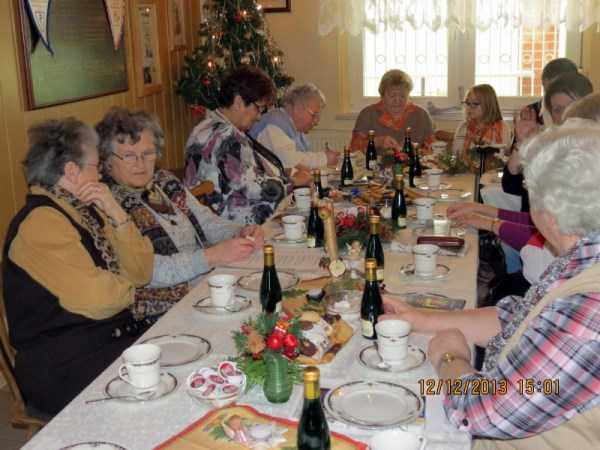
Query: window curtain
pixel 351 16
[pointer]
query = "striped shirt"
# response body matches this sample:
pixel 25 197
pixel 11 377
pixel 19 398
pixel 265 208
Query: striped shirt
pixel 559 352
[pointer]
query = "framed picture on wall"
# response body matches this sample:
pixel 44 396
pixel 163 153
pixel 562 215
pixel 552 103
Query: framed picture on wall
pixel 147 24
pixel 177 15
pixel 276 5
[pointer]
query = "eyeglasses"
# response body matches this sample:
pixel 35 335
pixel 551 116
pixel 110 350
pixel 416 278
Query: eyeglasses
pixel 132 158
pixel 471 104
pixel 261 108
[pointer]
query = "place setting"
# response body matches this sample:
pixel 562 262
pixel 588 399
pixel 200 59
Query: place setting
pixel 392 352
pixel 294 231
pixel 139 378
pixel 425 266
pixel 223 299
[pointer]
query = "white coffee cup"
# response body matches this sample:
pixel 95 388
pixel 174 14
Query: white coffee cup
pixel 141 367
pixel 293 227
pixel 434 178
pixel 438 147
pixel 441 225
pixel 302 198
pixel 425 259
pixel 395 439
pixel 221 289
pixel 392 340
pixel 424 208
pixel 325 178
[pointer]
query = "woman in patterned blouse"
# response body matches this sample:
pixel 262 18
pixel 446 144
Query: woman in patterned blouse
pixel 250 180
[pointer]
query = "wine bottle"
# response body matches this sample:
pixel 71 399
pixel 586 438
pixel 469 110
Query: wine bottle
pixel 371 306
pixel 318 186
pixel 418 167
pixel 313 431
pixel 315 232
pixel 347 173
pixel 270 289
pixel 409 151
pixel 374 248
pixel 371 155
pixel 399 204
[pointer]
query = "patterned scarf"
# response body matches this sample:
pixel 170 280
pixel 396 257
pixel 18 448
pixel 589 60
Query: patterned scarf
pixel 164 193
pixel 560 270
pixel 92 222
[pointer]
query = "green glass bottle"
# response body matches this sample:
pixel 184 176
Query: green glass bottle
pixel 347 173
pixel 371 306
pixel 313 431
pixel 374 247
pixel 318 186
pixel 371 156
pixel 315 231
pixel 399 204
pixel 270 289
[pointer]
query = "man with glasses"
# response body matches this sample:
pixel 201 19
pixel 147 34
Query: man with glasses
pixel 284 130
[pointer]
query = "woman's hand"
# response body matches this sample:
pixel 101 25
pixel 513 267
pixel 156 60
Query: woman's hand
pixel 448 341
pixel 255 234
pixel 526 125
pixel 302 178
pixel 385 142
pixel 476 221
pixel 333 157
pixel 100 195
pixel 398 309
pixel 231 250
pixel 458 210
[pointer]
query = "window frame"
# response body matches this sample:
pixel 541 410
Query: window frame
pixel 461 58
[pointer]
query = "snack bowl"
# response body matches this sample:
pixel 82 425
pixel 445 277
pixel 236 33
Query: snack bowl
pixel 219 386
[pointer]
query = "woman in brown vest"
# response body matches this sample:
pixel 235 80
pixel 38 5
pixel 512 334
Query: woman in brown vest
pixel 540 384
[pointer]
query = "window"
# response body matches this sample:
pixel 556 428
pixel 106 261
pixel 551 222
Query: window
pixel 445 62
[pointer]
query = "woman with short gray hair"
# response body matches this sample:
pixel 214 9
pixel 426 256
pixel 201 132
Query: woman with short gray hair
pixel 284 130
pixel 542 350
pixel 72 259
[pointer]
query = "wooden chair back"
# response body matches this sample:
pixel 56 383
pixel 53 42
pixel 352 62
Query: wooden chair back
pixel 20 417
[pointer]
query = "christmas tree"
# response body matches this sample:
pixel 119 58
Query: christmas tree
pixel 233 32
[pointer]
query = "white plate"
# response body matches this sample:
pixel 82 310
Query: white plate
pixel 441 272
pixel 251 282
pixel 238 304
pixel 128 394
pixel 425 187
pixel 373 404
pixel 179 349
pixel 369 357
pixel 281 239
pixel 96 445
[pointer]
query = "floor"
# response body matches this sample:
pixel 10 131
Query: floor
pixel 10 438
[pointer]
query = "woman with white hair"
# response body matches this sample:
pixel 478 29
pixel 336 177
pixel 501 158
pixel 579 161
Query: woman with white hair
pixel 543 350
pixel 284 130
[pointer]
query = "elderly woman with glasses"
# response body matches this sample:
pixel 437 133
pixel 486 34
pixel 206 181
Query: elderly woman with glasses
pixel 250 180
pixel 72 259
pixel 543 350
pixel 483 125
pixel 188 239
pixel 391 116
pixel 284 130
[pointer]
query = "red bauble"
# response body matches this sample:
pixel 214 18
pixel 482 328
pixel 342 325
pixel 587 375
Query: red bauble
pixel 274 342
pixel 290 341
pixel 237 17
pixel 205 81
pixel 290 353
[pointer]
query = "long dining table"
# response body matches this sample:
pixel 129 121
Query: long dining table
pixel 144 425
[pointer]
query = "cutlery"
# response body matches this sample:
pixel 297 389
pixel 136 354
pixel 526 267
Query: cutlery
pixel 144 395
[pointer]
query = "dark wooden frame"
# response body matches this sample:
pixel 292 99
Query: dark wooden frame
pixel 23 28
pixel 286 8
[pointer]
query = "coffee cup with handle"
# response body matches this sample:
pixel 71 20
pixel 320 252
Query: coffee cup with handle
pixel 392 340
pixel 141 366
pixel 301 198
pixel 293 227
pixel 222 289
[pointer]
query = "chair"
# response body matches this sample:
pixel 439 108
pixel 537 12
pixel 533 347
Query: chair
pixel 21 418
pixel 198 191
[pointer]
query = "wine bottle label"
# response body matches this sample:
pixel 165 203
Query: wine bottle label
pixel 401 222
pixel 367 328
pixel 379 274
pixel 374 167
pixel 311 241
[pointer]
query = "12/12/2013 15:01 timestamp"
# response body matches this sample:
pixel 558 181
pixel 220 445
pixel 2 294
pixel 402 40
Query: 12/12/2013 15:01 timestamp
pixel 483 386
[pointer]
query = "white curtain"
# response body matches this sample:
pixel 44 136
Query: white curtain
pixel 350 16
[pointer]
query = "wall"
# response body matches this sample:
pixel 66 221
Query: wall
pixel 14 120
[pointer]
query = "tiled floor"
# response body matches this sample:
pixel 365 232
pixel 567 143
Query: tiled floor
pixel 10 438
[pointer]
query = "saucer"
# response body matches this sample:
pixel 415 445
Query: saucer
pixel 441 272
pixel 425 187
pixel 251 282
pixel 179 349
pixel 95 445
pixel 128 394
pixel 369 357
pixel 237 304
pixel 281 239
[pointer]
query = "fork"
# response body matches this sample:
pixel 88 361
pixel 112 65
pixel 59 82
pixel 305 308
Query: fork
pixel 143 395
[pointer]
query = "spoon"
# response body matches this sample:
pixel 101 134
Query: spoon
pixel 143 395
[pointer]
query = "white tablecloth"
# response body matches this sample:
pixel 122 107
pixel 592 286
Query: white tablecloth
pixel 142 426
